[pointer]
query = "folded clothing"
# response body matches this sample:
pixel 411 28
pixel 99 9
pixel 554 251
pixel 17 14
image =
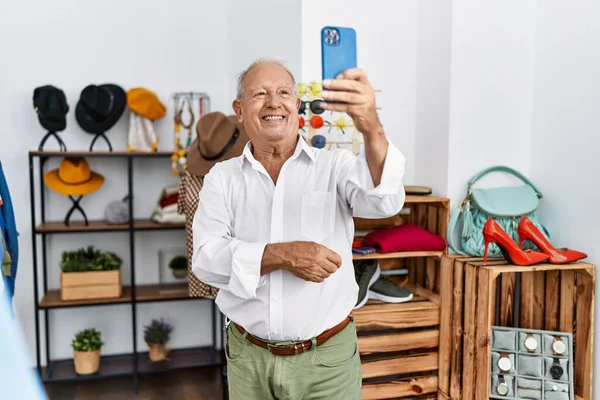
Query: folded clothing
pixel 406 237
pixel 168 214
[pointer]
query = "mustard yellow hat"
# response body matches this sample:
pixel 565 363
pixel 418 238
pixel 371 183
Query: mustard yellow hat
pixel 145 103
pixel 73 177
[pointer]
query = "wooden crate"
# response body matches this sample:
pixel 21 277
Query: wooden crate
pixel 433 216
pixel 399 343
pixel 476 296
pixel 90 285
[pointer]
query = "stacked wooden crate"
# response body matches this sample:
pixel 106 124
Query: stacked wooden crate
pixel 399 343
pixel 476 296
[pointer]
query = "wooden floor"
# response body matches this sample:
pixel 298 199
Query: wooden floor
pixel 196 384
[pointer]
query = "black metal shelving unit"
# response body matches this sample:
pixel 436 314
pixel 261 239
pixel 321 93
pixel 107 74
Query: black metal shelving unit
pixel 131 364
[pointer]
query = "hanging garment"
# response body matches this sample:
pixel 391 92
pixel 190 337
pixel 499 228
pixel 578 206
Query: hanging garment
pixel 187 203
pixel 9 230
pixel 5 258
pixel 3 273
pixel 141 136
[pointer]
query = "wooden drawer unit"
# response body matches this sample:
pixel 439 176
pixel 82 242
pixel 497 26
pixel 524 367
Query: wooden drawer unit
pixel 399 343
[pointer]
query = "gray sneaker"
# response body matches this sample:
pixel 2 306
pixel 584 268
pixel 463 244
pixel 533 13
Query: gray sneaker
pixel 366 272
pixel 387 291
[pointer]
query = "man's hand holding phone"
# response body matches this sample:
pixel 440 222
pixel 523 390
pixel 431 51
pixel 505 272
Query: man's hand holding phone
pixel 352 93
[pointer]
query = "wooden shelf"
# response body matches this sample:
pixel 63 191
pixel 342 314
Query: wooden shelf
pixel 102 226
pixel 402 254
pixel 122 364
pixel 171 291
pixel 52 299
pixel 144 293
pixel 84 153
pixel 180 359
pixel 410 199
pixel 110 366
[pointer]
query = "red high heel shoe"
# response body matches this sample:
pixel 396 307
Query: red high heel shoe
pixel 528 231
pixel 493 233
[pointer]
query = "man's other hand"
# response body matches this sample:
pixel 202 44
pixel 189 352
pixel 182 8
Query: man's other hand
pixel 312 262
pixel 306 260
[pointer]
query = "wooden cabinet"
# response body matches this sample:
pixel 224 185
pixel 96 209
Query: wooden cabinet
pixel 399 343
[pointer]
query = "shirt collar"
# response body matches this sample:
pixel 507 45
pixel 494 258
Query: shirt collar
pixel 301 146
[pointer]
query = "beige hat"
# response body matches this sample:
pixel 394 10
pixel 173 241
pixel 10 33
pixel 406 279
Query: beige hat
pixel 219 138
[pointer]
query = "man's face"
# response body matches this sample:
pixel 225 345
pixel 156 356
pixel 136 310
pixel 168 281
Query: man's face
pixel 269 108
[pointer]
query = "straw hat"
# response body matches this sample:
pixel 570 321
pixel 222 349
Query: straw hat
pixel 73 177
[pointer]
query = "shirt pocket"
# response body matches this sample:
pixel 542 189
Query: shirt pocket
pixel 317 215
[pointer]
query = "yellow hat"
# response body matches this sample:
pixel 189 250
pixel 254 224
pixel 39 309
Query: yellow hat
pixel 73 178
pixel 145 103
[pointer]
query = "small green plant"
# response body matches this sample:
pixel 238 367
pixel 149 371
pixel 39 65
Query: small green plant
pixel 89 259
pixel 87 340
pixel 157 332
pixel 178 262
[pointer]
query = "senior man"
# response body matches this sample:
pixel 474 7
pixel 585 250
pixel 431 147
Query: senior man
pixel 273 231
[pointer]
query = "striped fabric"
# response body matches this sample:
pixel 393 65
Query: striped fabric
pixel 187 203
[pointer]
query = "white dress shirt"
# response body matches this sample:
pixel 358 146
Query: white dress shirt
pixel 317 193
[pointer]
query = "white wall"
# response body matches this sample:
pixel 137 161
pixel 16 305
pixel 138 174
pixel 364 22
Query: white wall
pixel 566 122
pixel 72 44
pixel 434 33
pixel 491 80
pixel 251 35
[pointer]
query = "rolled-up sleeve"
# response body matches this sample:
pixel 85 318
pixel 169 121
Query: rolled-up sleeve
pixel 365 199
pixel 219 259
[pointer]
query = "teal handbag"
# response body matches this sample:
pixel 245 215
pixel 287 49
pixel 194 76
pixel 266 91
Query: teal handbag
pixel 506 205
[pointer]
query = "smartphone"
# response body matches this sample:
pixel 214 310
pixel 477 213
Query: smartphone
pixel 338 50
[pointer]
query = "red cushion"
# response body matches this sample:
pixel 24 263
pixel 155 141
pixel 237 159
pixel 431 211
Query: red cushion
pixel 406 237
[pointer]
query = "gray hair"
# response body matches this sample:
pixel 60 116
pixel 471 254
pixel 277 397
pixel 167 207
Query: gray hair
pixel 255 63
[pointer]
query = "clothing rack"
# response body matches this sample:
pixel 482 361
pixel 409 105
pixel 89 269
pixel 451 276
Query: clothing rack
pixel 47 301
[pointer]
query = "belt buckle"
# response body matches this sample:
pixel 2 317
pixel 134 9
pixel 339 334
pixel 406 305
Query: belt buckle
pixel 276 347
pixel 299 345
pixel 296 347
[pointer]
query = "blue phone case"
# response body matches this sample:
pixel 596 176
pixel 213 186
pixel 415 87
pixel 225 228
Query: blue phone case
pixel 338 50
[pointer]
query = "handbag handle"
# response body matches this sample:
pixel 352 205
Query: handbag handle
pixel 502 168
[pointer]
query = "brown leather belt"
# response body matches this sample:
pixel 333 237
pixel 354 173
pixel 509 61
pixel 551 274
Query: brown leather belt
pixel 296 348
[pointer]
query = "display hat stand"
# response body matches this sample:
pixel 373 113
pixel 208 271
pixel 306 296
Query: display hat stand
pixel 62 145
pixel 96 137
pixel 76 206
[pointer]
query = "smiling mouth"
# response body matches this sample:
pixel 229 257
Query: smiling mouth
pixel 273 118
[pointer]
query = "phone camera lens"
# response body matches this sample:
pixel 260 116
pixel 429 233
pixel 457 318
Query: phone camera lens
pixel 331 36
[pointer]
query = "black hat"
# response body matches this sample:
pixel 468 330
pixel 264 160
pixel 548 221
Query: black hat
pixel 51 106
pixel 100 107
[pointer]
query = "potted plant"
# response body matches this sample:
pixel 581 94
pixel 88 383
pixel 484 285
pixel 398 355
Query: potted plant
pixel 86 351
pixel 156 335
pixel 88 273
pixel 179 266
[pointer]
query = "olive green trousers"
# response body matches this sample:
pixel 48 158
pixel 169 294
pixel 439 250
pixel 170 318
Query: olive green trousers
pixel 331 371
